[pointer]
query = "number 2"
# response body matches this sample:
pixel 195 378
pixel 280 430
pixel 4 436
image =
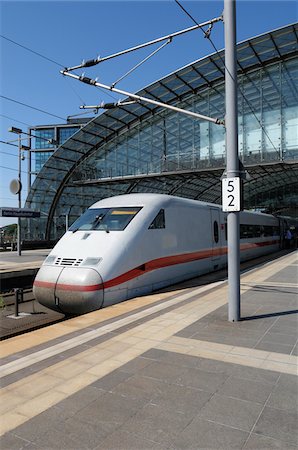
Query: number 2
pixel 232 199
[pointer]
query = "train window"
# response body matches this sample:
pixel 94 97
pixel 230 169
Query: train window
pixel 257 231
pixel 215 231
pixel 105 219
pixel 159 221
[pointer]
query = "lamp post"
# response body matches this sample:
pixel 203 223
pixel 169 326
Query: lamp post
pixel 18 189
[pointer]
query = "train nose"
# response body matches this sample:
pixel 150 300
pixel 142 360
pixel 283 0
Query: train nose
pixel 69 290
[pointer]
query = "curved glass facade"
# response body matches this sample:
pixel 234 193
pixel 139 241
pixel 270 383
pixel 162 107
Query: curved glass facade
pixel 121 151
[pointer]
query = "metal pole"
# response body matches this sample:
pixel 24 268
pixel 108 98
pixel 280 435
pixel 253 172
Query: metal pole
pixel 29 163
pixel 231 121
pixel 19 197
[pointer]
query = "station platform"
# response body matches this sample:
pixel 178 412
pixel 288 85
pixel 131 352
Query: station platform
pixel 165 371
pixel 29 259
pixel 17 271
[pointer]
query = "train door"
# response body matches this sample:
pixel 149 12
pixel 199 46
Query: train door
pixel 215 238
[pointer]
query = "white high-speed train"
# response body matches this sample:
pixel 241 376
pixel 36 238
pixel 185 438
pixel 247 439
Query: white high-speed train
pixel 130 245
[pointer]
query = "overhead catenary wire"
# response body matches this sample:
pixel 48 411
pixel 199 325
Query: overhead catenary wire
pixel 15 120
pixel 41 56
pixel 31 107
pixel 32 51
pixel 26 173
pixel 207 35
pixel 9 154
pixel 8 143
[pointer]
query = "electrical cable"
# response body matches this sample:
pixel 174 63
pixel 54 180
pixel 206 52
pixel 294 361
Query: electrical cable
pixel 32 51
pixel 15 120
pixel 141 62
pixel 207 35
pixel 9 154
pixel 26 173
pixel 8 143
pixel 42 56
pixel 31 107
pixel 74 91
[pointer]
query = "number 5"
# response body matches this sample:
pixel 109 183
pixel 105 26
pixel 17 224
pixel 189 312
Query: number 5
pixel 230 187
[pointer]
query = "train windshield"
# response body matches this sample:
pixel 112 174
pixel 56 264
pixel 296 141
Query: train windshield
pixel 105 219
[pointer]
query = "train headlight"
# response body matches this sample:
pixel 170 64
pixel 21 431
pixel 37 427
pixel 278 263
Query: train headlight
pixel 91 261
pixel 50 259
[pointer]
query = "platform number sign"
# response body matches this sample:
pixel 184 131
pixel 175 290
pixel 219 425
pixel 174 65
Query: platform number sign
pixel 231 195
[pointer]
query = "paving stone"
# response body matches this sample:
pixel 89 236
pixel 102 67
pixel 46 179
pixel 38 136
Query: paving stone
pixel 122 440
pixel 227 338
pixel 210 365
pixel 154 354
pixel 86 435
pixel 74 403
pixel 283 397
pixel 287 381
pixel 287 275
pixel 285 328
pixel 278 424
pixel 254 391
pixel 274 347
pixel 201 379
pixel 108 382
pixel 202 434
pixel 11 442
pixel 54 438
pixel 158 424
pixel 280 338
pixel 135 365
pixel 140 387
pixel 178 359
pixel 258 442
pixel 39 425
pixel 232 412
pixel 161 371
pixel 251 373
pixel 110 409
pixel 181 399
pixel 295 351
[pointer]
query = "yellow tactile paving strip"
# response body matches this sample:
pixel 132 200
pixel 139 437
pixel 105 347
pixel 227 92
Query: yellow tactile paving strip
pixel 228 353
pixel 36 393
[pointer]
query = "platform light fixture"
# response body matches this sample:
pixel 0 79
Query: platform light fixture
pixel 15 130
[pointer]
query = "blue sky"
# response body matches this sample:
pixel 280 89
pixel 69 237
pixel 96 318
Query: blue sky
pixel 70 31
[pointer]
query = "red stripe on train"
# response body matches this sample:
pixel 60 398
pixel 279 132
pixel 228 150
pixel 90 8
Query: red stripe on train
pixel 155 264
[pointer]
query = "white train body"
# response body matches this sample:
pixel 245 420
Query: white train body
pixel 130 245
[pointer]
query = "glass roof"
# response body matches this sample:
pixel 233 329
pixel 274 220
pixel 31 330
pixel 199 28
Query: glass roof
pixel 195 77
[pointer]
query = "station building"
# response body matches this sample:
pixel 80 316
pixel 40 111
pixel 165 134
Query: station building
pixel 47 138
pixel 144 148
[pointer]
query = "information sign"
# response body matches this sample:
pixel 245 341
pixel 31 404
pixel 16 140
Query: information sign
pixel 231 194
pixel 18 212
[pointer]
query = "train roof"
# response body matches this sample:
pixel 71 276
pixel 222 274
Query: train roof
pixel 150 199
